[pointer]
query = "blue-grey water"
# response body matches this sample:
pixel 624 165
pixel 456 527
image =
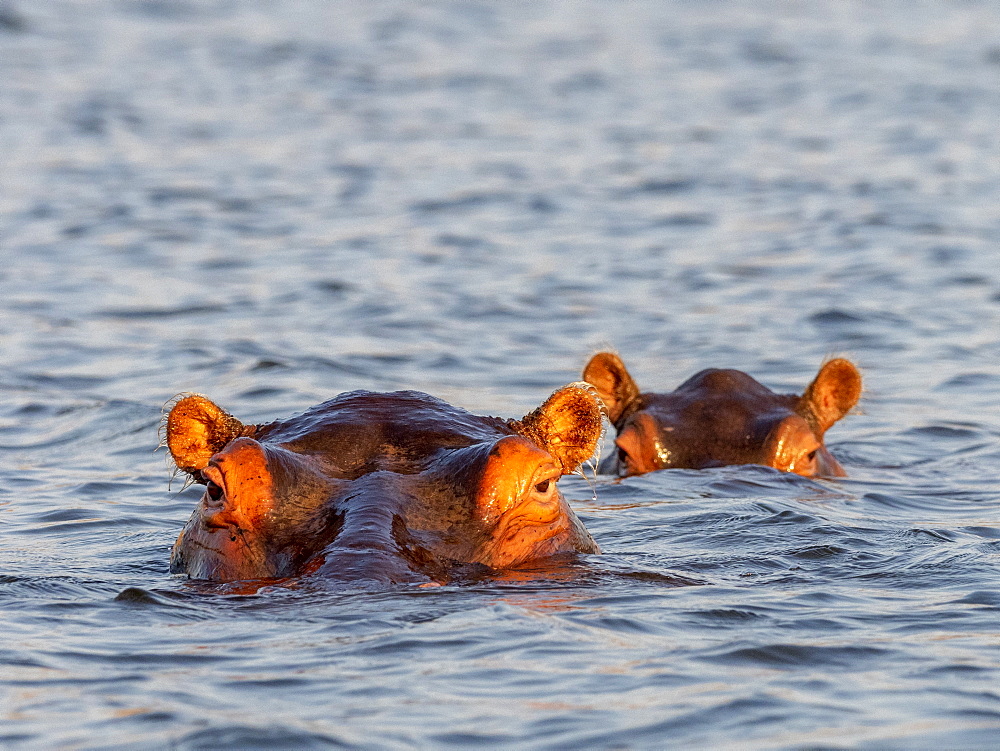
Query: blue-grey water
pixel 274 202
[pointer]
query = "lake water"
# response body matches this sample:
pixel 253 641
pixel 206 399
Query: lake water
pixel 274 202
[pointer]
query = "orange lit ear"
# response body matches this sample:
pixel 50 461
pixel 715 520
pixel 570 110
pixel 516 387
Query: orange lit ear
pixel 567 425
pixel 606 373
pixel 197 429
pixel 835 390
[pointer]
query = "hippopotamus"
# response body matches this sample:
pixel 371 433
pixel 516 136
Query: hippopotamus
pixel 721 417
pixel 392 487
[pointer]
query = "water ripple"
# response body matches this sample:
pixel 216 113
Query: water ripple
pixel 275 204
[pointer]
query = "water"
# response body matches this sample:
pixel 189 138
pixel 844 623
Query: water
pixel 272 203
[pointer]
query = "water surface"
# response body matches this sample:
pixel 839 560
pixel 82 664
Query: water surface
pixel 273 203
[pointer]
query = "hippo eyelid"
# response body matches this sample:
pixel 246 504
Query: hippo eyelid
pixel 546 472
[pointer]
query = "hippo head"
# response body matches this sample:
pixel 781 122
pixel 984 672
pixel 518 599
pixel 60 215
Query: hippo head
pixel 386 486
pixel 720 417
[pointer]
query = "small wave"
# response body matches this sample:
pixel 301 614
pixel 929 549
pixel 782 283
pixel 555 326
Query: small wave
pixel 134 314
pixel 802 655
pixel 264 736
pixel 140 597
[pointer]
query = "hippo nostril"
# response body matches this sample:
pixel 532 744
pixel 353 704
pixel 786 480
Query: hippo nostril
pixel 214 492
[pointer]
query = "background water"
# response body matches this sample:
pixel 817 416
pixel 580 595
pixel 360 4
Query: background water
pixel 274 202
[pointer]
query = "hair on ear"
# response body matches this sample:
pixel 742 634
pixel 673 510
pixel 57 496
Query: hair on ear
pixel 568 425
pixel 197 428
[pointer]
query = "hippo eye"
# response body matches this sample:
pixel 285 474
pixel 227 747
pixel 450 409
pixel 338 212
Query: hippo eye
pixel 213 491
pixel 543 486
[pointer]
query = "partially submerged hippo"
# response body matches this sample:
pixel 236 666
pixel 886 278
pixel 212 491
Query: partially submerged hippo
pixel 720 417
pixel 395 487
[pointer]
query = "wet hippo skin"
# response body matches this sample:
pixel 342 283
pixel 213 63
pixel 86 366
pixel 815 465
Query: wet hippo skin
pixel 394 487
pixel 719 417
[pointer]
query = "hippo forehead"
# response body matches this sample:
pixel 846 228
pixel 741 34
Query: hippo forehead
pixel 719 383
pixel 716 409
pixel 362 431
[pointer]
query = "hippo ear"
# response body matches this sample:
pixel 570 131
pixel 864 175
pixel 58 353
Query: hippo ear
pixel 197 429
pixel 831 395
pixel 606 373
pixel 567 425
